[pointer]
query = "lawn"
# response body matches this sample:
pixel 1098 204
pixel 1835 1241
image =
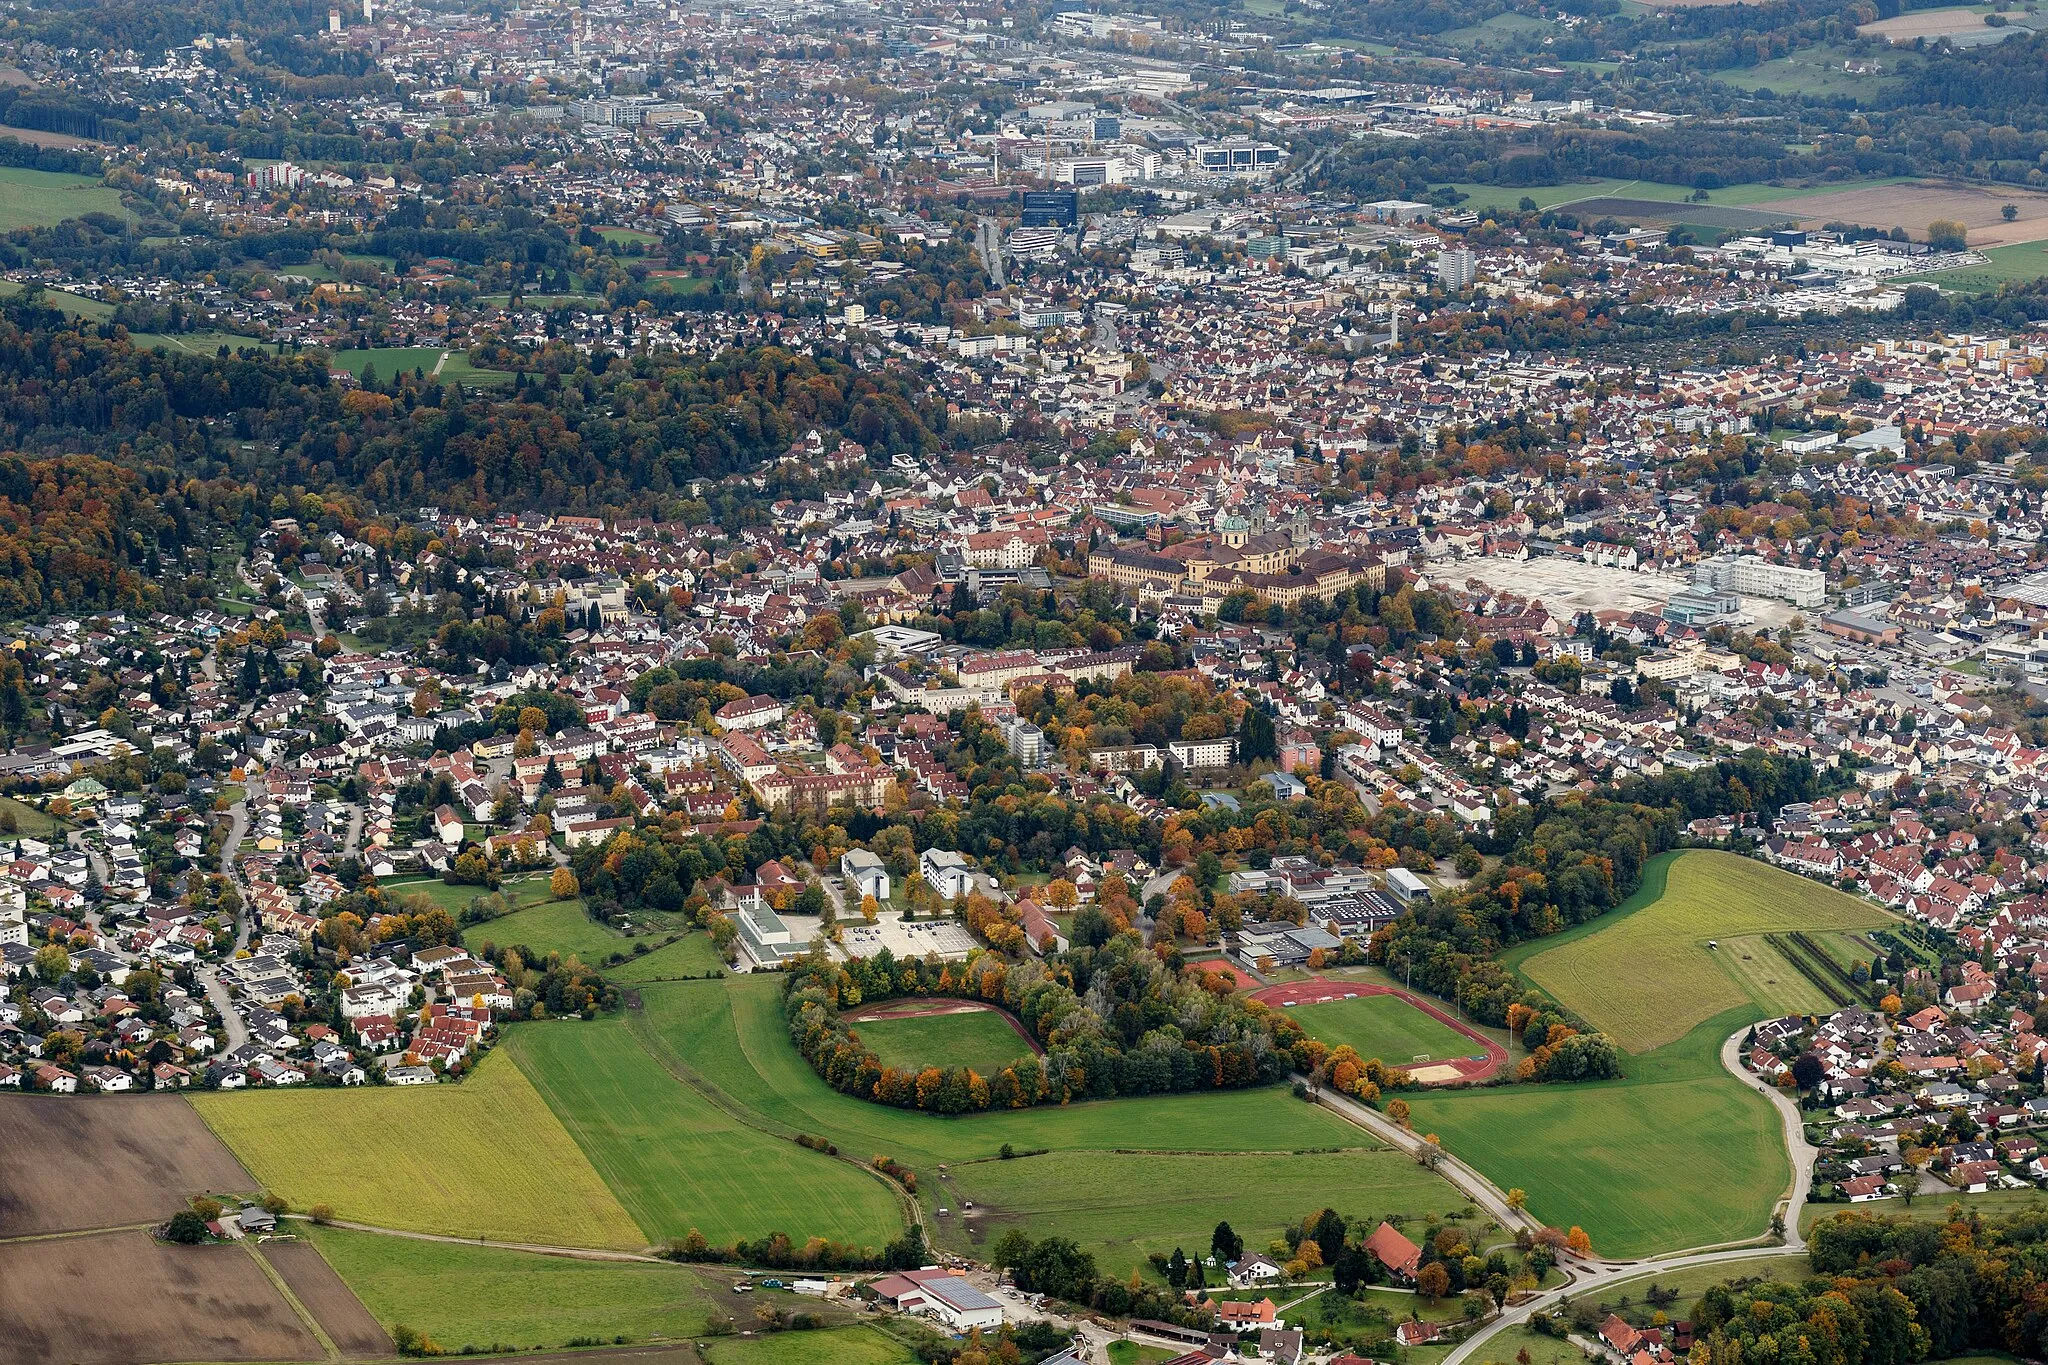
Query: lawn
pixel 729 1038
pixel 455 899
pixel 1939 1207
pixel 1694 1281
pixel 29 821
pixel 485 1158
pixel 550 926
pixel 456 369
pixel 1643 973
pixel 677 1161
pixel 1125 1207
pixel 1816 71
pixel 487 1297
pixel 981 1039
pixel 385 361
pixel 1383 1026
pixel 1132 1353
pixel 38 199
pixel 840 1346
pixel 692 955
pixel 70 305
pixel 1679 1154
pixel 199 343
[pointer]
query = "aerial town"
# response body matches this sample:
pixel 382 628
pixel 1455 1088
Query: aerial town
pixel 726 682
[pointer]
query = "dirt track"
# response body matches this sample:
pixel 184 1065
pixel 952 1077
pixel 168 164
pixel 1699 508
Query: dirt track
pixel 332 1303
pixel 121 1297
pixel 71 1162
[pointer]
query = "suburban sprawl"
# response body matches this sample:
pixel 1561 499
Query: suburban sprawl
pixel 1024 682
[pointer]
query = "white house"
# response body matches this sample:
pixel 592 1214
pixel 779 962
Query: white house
pixel 946 872
pixel 865 874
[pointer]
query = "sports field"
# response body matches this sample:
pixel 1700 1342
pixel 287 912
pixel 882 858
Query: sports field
pixel 1643 973
pixel 35 199
pixel 487 1297
pixel 1382 1026
pixel 1679 1154
pixel 728 1037
pixel 485 1158
pixel 676 1161
pixel 983 1039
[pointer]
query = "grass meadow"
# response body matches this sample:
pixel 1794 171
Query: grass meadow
pixel 486 1158
pixel 981 1039
pixel 1383 1026
pixel 39 199
pixel 1678 1154
pixel 1643 973
pixel 488 1297
pixel 386 361
pixel 839 1346
pixel 1125 1207
pixel 678 1161
pixel 1152 1170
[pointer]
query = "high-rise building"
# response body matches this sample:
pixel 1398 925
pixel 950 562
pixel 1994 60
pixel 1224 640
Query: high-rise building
pixel 1457 269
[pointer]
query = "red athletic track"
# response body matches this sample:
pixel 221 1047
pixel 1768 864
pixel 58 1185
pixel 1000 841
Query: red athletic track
pixel 1319 990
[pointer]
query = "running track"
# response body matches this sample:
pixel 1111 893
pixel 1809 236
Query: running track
pixel 1320 990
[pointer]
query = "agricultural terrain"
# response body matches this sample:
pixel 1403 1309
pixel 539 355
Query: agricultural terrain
pixel 1644 973
pixel 485 1158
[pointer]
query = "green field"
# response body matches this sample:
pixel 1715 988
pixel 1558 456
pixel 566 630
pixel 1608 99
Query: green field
pixel 485 1297
pixel 1694 1281
pixel 1678 1154
pixel 39 199
pixel 456 369
pixel 1125 1207
pixel 2003 265
pixel 1731 196
pixel 385 361
pixel 551 926
pixel 1938 1207
pixel 1816 71
pixel 692 955
pixel 455 899
pixel 1132 1353
pixel 677 1162
pixel 981 1039
pixel 1383 1026
pixel 31 822
pixel 70 305
pixel 840 1346
pixel 729 1038
pixel 1643 972
pixel 485 1158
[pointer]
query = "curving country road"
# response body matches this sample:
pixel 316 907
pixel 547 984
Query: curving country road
pixel 1593 1275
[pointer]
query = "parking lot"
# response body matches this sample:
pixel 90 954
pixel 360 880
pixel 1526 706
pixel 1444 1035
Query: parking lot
pixel 1565 585
pixel 916 939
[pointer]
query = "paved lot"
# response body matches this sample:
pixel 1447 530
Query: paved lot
pixel 947 939
pixel 1570 585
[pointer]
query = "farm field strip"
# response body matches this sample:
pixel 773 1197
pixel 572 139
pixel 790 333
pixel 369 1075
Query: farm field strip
pixel 678 1162
pixel 1643 972
pixel 488 1296
pixel 68 1166
pixel 484 1158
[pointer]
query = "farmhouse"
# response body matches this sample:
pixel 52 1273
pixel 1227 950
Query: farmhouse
pixel 1401 1257
pixel 942 1295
